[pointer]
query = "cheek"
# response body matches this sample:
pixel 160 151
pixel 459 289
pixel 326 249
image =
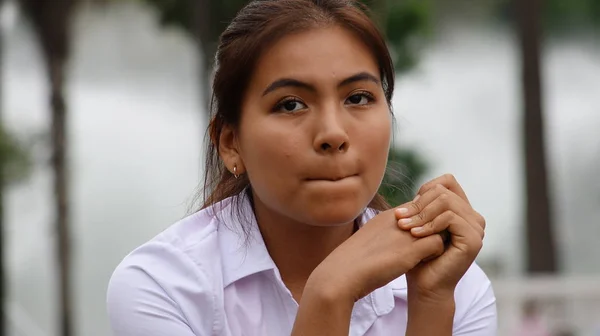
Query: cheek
pixel 374 142
pixel 268 152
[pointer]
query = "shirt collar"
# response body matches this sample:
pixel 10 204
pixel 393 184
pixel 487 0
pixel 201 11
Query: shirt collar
pixel 243 251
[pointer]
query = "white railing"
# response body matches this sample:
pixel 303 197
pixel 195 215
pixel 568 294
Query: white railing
pixel 566 303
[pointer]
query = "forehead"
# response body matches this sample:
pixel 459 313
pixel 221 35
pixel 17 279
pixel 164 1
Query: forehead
pixel 318 55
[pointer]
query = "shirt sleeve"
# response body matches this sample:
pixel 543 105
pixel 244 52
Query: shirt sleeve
pixel 152 288
pixel 475 305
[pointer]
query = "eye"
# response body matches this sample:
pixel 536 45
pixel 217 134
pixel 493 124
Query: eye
pixel 360 98
pixel 290 105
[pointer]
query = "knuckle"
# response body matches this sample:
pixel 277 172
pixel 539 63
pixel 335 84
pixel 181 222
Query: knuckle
pixel 417 206
pixel 478 245
pixel 441 222
pixel 444 198
pixel 422 215
pixel 481 220
pixel 475 244
pixel 449 216
pixel 440 189
pixel 450 178
pixel 429 227
pixel 437 241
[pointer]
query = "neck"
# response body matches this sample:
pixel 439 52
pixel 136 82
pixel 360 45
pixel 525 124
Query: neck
pixel 297 248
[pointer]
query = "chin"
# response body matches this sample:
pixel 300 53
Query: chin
pixel 332 204
pixel 334 213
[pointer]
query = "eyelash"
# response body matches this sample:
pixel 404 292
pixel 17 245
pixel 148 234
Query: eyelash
pixel 370 97
pixel 278 107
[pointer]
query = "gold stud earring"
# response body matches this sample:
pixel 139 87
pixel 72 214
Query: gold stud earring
pixel 235 174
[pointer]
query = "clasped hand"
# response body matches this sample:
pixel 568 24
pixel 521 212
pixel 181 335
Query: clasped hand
pixel 442 207
pixel 408 240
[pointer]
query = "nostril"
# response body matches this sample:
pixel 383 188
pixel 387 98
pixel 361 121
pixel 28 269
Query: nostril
pixel 325 146
pixel 342 147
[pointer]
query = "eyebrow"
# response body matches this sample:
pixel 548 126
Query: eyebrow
pixel 290 82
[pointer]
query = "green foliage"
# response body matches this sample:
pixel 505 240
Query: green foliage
pixel 404 170
pixel 401 20
pixel 404 22
pixel 176 13
pixel 180 14
pixel 561 16
pixel 14 159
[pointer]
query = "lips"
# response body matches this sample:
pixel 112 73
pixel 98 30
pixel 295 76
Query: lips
pixel 331 178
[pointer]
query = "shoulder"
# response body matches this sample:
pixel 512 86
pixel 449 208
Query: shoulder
pixel 189 243
pixel 175 275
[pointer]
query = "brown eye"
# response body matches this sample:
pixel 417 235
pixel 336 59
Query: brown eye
pixel 290 106
pixel 360 99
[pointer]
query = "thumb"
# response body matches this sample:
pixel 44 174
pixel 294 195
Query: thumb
pixel 428 247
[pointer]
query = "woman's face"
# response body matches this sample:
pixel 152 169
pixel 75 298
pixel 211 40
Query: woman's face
pixel 315 128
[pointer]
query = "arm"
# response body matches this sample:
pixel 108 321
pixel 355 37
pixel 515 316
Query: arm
pixel 475 313
pixel 366 261
pixel 322 312
pixel 430 317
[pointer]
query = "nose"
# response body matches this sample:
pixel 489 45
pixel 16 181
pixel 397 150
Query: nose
pixel 331 136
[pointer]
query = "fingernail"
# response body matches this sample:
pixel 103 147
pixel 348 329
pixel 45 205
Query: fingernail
pixel 416 229
pixel 405 221
pixel 416 198
pixel 402 211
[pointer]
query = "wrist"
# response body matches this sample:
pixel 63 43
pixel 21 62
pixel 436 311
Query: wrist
pixel 442 297
pixel 441 302
pixel 323 310
pixel 438 302
pixel 422 308
pixel 326 290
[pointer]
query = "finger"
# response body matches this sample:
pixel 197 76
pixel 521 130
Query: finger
pixel 433 203
pixel 440 204
pixel 428 248
pixel 479 219
pixel 448 181
pixel 462 235
pixel 416 206
pixel 440 224
pixel 453 202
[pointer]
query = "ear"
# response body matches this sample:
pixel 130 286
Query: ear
pixel 230 152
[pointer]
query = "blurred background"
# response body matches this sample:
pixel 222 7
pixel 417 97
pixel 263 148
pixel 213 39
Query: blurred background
pixel 104 110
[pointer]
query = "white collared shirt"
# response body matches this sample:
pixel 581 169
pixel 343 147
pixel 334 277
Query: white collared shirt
pixel 201 277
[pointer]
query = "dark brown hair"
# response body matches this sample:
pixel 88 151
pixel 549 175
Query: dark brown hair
pixel 256 27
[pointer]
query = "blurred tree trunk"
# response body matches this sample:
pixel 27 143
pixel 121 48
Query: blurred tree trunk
pixel 2 237
pixel 205 35
pixel 51 20
pixel 541 252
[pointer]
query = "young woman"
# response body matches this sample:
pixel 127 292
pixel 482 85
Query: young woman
pixel 293 238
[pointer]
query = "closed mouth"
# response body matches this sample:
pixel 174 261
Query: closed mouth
pixel 331 179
